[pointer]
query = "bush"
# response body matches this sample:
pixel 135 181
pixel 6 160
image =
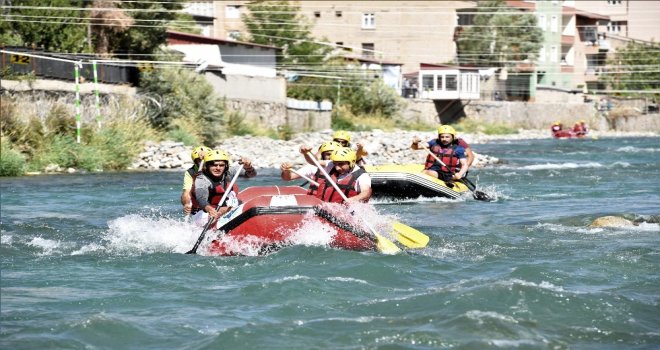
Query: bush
pixel 12 162
pixel 186 95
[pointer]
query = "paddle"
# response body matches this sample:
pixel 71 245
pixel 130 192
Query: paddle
pixel 304 177
pixel 383 244
pixel 208 224
pixel 478 195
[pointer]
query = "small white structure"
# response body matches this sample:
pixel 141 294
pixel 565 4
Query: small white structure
pixel 443 82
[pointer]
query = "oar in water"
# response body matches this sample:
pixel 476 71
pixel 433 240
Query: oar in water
pixel 383 244
pixel 211 219
pixel 478 195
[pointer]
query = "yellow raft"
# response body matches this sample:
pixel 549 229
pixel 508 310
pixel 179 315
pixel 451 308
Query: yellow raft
pixel 401 181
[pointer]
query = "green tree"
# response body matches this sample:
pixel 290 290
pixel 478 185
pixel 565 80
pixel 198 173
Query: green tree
pixel 499 38
pixel 633 70
pixel 280 24
pixel 53 25
pixel 150 29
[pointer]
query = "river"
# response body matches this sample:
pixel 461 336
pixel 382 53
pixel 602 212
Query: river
pixel 96 262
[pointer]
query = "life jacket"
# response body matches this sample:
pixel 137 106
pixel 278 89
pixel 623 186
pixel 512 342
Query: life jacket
pixel 216 191
pixel 447 155
pixel 193 174
pixel 192 171
pixel 313 189
pixel 327 193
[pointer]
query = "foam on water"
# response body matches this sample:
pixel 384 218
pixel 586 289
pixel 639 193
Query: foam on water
pixel 632 149
pixel 137 234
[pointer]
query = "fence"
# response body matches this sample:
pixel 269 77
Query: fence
pixel 21 60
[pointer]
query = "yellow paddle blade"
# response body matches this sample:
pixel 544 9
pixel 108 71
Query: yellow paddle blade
pixel 409 237
pixel 386 246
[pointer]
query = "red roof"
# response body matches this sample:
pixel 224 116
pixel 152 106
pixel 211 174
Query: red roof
pixel 372 60
pixel 175 38
pixel 431 66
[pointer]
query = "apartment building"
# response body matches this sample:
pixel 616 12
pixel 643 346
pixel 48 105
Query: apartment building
pixel 634 19
pixel 408 32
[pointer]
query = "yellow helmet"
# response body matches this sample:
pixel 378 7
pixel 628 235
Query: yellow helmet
pixel 342 135
pixel 328 146
pixel 216 154
pixel 556 123
pixel 344 154
pixel 197 150
pixel 446 129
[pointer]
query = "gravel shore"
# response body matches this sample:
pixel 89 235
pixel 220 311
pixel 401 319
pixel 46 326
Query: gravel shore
pixel 383 147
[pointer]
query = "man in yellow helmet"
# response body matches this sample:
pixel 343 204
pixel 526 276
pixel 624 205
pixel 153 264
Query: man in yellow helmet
pixel 351 178
pixel 343 138
pixel 210 185
pixel 186 195
pixel 310 171
pixel 447 149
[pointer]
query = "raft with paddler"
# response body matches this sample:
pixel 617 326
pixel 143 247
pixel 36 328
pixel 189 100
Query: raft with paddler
pixel 266 218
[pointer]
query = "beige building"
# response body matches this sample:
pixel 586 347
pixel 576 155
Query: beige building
pixel 408 32
pixel 635 19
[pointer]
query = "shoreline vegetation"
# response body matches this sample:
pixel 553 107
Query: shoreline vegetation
pixel 38 130
pixel 385 147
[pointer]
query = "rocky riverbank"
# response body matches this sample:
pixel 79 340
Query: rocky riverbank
pixel 383 147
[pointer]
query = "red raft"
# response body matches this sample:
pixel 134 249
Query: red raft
pixel 270 217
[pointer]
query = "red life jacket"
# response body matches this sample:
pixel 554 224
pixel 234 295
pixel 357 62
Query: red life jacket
pixel 216 191
pixel 313 189
pixel 327 193
pixel 447 155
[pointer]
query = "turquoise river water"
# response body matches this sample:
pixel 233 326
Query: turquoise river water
pixel 97 262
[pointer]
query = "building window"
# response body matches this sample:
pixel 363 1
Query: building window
pixel 542 54
pixel 427 83
pixel 368 20
pixel 317 14
pixel 234 35
pixel 542 22
pixel 614 2
pixel 338 14
pixel 615 26
pixel 233 11
pixel 451 83
pixel 553 53
pixel 440 82
pixel 554 24
pixel 368 49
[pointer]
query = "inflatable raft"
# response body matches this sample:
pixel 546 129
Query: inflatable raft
pixel 270 215
pixel 402 181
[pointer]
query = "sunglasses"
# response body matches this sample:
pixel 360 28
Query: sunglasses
pixel 341 142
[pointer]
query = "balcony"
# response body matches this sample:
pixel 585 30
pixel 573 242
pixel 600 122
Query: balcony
pixel 567 39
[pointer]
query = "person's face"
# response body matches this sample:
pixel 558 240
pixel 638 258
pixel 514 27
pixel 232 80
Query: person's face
pixel 342 167
pixel 217 167
pixel 341 142
pixel 446 139
pixel 326 155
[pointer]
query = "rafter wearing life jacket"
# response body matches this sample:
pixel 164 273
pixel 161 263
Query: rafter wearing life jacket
pixel 216 190
pixel 327 193
pixel 447 155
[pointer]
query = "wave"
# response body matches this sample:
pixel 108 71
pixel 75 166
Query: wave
pixel 633 149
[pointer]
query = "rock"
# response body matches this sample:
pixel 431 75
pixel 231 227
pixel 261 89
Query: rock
pixel 611 221
pixel 53 168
